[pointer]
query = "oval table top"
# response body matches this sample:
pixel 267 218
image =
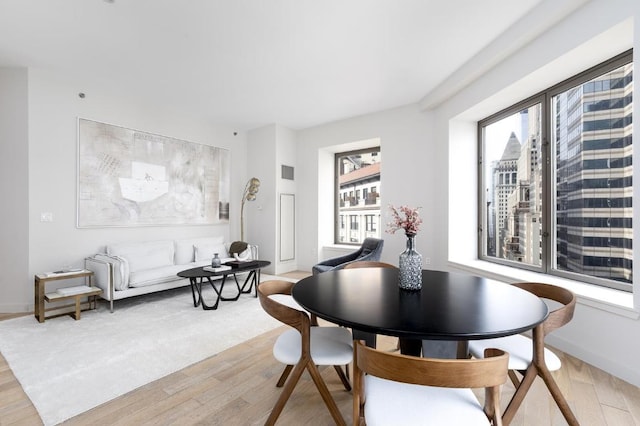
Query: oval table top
pixel 450 306
pixel 199 272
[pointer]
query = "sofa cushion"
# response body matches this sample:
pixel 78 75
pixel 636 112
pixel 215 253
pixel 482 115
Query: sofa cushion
pixel 147 255
pixel 206 251
pixel 146 277
pixel 185 249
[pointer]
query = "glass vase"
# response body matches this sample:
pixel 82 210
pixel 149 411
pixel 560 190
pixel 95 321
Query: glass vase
pixel 216 262
pixel 410 266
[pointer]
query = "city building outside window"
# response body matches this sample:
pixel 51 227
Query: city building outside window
pixel 356 193
pixel 556 172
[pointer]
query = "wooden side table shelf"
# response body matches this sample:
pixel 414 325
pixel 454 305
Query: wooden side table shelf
pixel 90 293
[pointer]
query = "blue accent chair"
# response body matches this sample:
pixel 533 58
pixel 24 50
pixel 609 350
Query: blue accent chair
pixel 371 250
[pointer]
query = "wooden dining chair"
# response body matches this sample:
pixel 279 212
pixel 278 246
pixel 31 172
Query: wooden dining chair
pixel 304 348
pixel 529 357
pixel 398 389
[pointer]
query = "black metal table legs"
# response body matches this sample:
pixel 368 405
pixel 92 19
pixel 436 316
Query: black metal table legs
pixel 196 287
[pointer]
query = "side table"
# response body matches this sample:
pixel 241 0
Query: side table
pixel 77 293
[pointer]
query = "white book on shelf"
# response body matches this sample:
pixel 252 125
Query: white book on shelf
pixel 68 291
pixel 63 272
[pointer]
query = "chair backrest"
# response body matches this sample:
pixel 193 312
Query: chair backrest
pixel 559 316
pixel 440 372
pixel 286 314
pixel 371 248
pixel 489 373
pixel 368 264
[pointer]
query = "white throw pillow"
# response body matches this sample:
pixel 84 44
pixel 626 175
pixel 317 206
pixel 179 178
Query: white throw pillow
pixel 206 251
pixel 185 248
pixel 145 255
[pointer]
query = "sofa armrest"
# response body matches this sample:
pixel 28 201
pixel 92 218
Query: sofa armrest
pixel 339 260
pixel 253 251
pixel 102 267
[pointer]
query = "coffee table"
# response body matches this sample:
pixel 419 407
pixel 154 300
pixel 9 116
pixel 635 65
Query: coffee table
pixel 197 275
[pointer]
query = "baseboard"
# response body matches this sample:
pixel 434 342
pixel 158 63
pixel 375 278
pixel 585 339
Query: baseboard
pixel 8 308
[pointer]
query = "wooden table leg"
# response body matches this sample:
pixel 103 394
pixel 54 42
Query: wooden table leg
pixel 77 315
pixel 411 347
pixel 39 300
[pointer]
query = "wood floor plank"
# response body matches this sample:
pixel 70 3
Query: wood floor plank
pixel 607 389
pixel 617 417
pixel 577 369
pixel 586 406
pixel 631 396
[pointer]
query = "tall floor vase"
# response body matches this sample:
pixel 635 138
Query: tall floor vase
pixel 410 266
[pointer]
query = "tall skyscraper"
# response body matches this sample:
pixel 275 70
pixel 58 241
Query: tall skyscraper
pixel 592 132
pixel 505 177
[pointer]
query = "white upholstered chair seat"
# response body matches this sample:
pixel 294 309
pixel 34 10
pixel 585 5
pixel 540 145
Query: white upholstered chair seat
pixel 329 346
pixel 395 403
pixel 529 358
pixel 520 349
pixel 303 348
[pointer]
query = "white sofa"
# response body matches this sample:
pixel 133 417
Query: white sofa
pixel 132 269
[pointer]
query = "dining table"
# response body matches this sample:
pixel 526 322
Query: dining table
pixel 450 306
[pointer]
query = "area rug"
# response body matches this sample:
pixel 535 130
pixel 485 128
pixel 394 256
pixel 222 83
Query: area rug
pixel 67 367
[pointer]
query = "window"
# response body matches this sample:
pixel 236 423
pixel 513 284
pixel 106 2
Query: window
pixel 371 223
pixel 353 222
pixel 357 183
pixel 556 172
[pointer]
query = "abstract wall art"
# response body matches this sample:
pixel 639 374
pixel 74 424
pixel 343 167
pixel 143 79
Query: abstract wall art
pixel 132 178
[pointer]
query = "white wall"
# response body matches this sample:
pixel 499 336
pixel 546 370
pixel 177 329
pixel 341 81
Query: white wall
pixel 409 174
pixel 260 215
pixel 269 147
pixel 429 160
pixel 53 108
pixel 14 190
pixel 600 332
pixel 285 155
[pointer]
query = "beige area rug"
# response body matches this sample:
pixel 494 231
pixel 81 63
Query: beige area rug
pixel 67 367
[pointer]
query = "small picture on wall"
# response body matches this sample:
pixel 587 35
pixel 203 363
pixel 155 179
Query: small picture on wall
pixel 131 178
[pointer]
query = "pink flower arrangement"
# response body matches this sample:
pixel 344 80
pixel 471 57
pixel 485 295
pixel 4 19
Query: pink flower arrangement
pixel 405 218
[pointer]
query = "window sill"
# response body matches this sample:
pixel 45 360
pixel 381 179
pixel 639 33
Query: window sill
pixel 606 299
pixel 345 247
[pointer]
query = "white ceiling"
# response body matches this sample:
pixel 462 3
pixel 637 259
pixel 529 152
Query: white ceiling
pixel 248 63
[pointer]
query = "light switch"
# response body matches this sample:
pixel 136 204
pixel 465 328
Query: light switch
pixel 46 217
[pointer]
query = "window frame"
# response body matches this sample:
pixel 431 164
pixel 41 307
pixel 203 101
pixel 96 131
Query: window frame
pixel 549 171
pixel 353 194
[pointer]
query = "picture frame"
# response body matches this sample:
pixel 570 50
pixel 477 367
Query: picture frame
pixel 129 177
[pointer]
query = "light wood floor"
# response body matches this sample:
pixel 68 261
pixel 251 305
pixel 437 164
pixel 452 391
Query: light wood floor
pixel 237 387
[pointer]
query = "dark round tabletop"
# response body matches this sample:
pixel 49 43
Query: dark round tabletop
pixel 450 306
